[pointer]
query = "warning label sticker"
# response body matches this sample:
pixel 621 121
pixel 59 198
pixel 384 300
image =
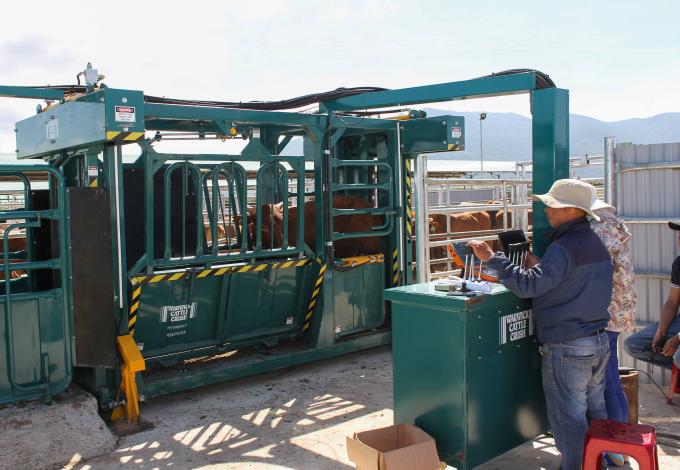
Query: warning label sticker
pixel 91 171
pixel 125 114
pixel 338 329
pixel 456 132
pixel 52 128
pixel 289 321
pixel 256 133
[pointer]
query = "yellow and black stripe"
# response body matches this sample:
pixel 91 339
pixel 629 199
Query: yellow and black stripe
pixel 454 147
pixel 132 318
pixel 118 136
pixel 93 184
pixel 317 288
pixel 395 256
pixel 219 271
pixel 409 214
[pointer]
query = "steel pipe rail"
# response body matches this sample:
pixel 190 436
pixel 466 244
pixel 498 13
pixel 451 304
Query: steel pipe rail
pixel 647 220
pixel 623 167
pixel 485 207
pixel 477 182
pixel 467 239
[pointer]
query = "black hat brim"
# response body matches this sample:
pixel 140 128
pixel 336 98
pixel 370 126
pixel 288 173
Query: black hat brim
pixel 674 226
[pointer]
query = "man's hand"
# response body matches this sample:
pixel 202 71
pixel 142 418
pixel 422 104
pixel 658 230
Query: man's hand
pixel 531 261
pixel 658 337
pixel 671 346
pixel 481 249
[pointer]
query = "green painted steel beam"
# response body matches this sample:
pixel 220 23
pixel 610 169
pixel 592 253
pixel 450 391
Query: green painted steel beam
pixel 26 92
pixel 191 380
pixel 167 111
pixel 477 88
pixel 550 135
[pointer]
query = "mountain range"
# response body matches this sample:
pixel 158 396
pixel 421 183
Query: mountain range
pixel 507 136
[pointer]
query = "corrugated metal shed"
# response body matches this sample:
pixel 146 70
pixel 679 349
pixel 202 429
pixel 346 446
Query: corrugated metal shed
pixel 649 193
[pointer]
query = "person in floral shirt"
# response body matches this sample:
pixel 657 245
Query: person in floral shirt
pixel 616 238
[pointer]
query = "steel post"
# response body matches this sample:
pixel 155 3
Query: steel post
pixel 550 110
pixel 609 171
pixel 422 225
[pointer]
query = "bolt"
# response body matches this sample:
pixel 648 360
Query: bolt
pixel 444 122
pixel 125 129
pixel 101 100
pixel 480 357
pixel 444 142
pixel 16 130
pixel 479 316
pixel 480 337
pixel 124 100
pixel 499 352
pixel 455 123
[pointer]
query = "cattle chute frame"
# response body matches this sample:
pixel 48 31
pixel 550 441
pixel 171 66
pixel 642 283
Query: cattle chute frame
pixel 136 266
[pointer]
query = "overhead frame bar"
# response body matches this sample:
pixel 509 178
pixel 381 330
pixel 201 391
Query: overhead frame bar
pixel 26 92
pixel 476 88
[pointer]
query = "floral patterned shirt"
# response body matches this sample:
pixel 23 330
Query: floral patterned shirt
pixel 615 236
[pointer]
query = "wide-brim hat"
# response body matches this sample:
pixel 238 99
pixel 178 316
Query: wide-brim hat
pixel 596 204
pixel 568 193
pixel 674 226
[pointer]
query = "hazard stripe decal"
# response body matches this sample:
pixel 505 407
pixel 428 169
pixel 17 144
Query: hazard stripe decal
pixel 132 317
pixel 409 215
pixel 312 302
pixel 395 255
pixel 218 271
pixel 124 136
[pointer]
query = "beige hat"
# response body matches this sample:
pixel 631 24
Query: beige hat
pixel 568 193
pixel 596 204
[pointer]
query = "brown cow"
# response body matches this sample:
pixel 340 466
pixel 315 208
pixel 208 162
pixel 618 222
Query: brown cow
pixel 14 245
pixel 460 222
pixel 352 223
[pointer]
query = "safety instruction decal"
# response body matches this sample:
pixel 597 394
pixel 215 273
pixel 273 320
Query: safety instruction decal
pixel 516 326
pixel 52 128
pixel 92 171
pixel 456 133
pixel 125 114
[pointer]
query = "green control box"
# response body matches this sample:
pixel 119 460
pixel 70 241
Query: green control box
pixel 467 371
pixel 103 116
pixel 436 134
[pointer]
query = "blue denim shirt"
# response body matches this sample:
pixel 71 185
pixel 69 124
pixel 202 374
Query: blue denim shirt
pixel 570 288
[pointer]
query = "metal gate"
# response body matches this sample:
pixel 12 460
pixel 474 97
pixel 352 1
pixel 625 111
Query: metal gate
pixel 36 330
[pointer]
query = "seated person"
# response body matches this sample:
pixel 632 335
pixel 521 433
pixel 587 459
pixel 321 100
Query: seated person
pixel 664 332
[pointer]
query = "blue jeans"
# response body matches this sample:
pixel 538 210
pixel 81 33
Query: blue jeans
pixel 639 345
pixel 614 399
pixel 573 382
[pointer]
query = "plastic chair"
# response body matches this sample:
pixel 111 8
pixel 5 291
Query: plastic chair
pixel 674 385
pixel 636 440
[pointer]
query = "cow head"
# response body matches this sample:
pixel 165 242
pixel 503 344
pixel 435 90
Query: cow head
pixel 251 221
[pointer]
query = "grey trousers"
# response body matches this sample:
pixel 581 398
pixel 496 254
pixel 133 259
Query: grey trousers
pixel 639 345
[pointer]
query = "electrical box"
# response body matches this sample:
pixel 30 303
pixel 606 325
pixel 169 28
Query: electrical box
pixel 467 371
pixel 436 134
pixel 105 115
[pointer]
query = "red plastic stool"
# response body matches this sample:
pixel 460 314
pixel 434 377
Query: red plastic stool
pixel 636 440
pixel 674 384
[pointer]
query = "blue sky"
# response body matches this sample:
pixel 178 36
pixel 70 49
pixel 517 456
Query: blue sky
pixel 619 59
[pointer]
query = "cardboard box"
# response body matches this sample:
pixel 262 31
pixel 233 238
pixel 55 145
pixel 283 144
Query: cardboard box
pixel 399 447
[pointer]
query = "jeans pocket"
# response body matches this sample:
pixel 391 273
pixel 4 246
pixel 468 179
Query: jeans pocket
pixel 577 371
pixel 599 377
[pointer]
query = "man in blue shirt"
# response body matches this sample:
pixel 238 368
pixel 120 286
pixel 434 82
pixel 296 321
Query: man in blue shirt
pixel 571 289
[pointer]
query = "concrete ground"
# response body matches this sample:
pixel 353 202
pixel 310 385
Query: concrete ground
pixel 299 418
